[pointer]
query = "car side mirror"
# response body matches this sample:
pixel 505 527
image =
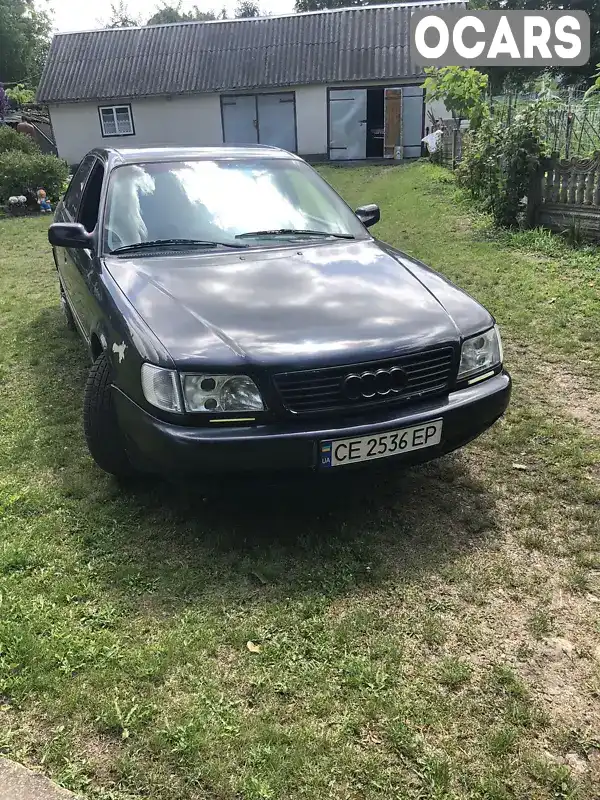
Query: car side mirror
pixel 368 215
pixel 69 234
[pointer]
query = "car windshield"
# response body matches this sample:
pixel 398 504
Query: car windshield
pixel 243 202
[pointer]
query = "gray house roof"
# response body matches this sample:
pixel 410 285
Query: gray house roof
pixel 369 43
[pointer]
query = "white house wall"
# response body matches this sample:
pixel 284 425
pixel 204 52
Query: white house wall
pixel 191 120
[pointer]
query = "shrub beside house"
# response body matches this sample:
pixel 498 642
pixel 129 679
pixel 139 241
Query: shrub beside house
pixel 24 168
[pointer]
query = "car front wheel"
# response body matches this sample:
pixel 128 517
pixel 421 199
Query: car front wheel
pixel 100 424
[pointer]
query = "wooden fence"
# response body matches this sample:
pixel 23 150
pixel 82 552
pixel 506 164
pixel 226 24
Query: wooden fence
pixel 566 195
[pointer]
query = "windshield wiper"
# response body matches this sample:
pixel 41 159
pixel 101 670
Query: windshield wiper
pixel 293 232
pixel 166 242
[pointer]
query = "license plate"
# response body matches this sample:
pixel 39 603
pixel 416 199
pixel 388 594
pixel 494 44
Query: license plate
pixel 340 452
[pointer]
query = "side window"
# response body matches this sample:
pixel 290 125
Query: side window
pixel 90 202
pixel 73 196
pixel 116 120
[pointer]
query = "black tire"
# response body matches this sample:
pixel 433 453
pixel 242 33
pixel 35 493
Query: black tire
pixel 101 427
pixel 68 314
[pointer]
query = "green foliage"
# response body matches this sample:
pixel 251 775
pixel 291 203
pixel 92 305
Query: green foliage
pixel 121 17
pixel 547 87
pixel 246 9
pixel 20 94
pixel 11 140
pixel 574 234
pixel 595 86
pixel 461 90
pixel 167 14
pixel 20 172
pixel 499 160
pixel 24 40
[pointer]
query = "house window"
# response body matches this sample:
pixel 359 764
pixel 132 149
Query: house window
pixel 116 120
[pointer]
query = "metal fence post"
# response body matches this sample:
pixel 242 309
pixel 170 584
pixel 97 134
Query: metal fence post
pixel 568 133
pixel 453 162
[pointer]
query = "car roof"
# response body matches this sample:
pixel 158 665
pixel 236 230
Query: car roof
pixel 139 155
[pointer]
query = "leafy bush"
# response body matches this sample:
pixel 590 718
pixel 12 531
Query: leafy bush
pixel 499 161
pixel 23 172
pixel 20 95
pixel 461 90
pixel 10 139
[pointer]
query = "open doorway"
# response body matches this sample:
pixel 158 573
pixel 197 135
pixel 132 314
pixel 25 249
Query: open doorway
pixel 375 122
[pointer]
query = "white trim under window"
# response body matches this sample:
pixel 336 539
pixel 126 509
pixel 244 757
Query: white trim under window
pixel 116 120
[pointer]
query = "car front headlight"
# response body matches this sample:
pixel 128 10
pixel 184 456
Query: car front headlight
pixel 228 393
pixel 480 353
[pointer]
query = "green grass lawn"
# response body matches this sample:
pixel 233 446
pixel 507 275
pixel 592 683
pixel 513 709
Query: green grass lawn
pixel 427 634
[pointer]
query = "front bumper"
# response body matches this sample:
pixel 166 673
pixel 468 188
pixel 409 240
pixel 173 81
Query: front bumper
pixel 158 446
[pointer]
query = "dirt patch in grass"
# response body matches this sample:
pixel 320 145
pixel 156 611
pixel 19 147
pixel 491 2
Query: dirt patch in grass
pixel 101 754
pixel 571 392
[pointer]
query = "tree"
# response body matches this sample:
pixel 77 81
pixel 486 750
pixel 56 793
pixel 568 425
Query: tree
pixel 120 16
pixel 24 41
pixel 247 8
pixel 461 90
pixel 167 14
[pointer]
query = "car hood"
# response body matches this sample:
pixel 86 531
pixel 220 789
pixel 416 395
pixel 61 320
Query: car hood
pixel 310 305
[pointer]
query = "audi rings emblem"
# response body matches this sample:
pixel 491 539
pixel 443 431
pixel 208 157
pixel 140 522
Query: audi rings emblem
pixel 367 385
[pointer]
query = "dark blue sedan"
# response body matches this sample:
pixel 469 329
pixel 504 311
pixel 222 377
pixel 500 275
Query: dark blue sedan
pixel 241 317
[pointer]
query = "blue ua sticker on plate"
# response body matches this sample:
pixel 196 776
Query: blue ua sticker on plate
pixel 326 454
pixel 339 452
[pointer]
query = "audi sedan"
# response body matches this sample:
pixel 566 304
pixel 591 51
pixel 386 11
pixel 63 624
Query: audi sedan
pixel 241 317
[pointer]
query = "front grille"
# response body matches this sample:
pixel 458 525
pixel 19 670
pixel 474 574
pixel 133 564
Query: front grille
pixel 429 373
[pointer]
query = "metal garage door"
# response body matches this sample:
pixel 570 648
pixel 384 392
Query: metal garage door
pixel 240 124
pixel 264 118
pixel 412 120
pixel 347 124
pixel 277 120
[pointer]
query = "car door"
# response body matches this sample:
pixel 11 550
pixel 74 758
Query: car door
pixel 64 257
pixel 83 263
